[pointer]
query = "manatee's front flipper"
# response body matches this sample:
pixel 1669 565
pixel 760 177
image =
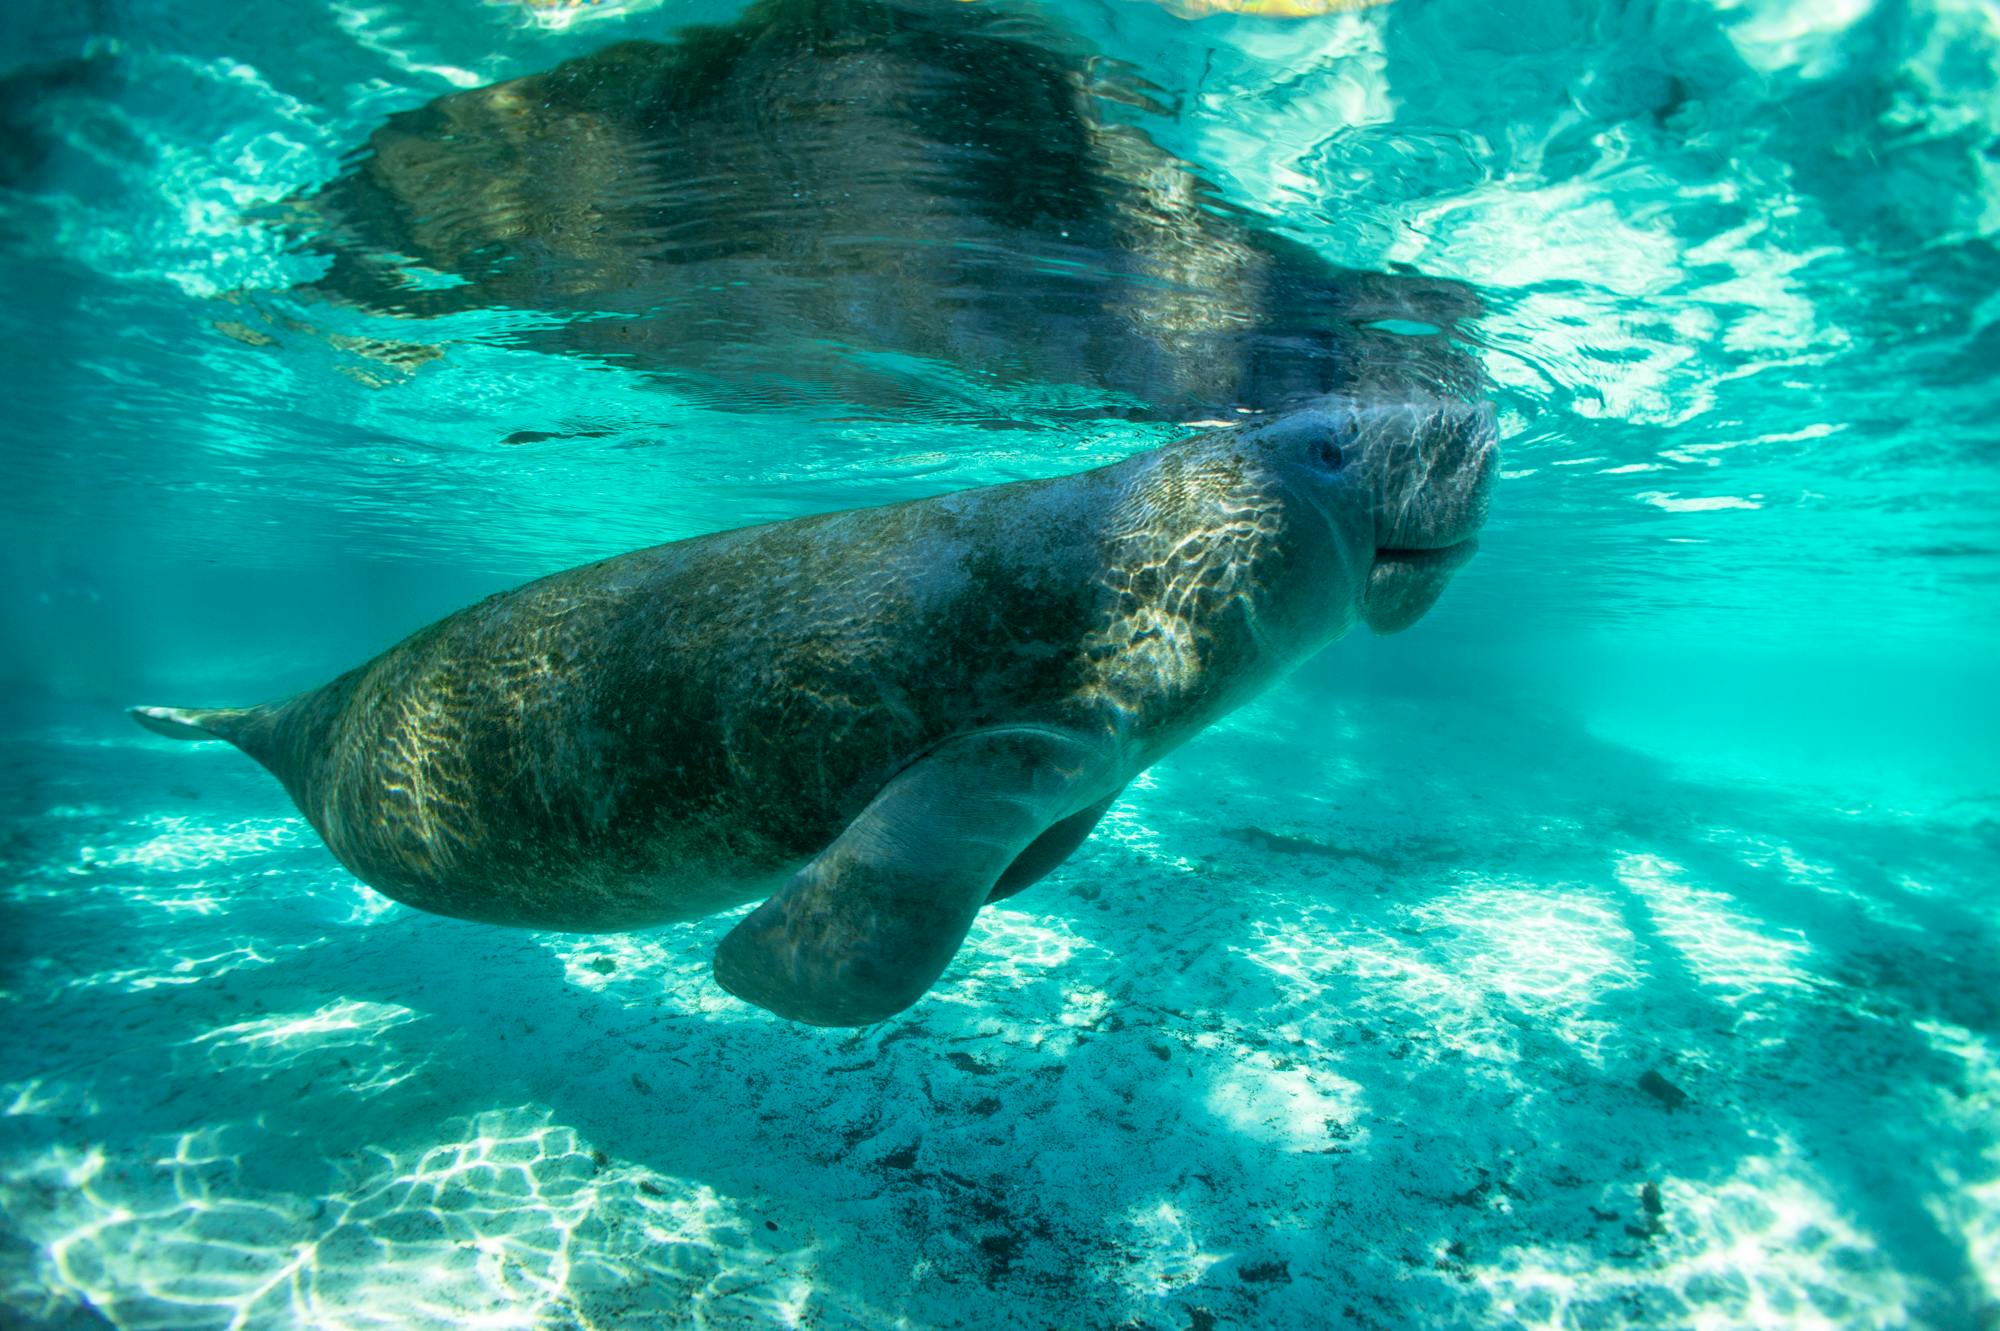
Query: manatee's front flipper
pixel 861 932
pixel 1050 849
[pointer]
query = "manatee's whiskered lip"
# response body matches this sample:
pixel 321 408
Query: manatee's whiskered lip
pixel 1425 554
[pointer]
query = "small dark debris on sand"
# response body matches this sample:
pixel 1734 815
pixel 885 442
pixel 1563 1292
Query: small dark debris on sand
pixel 1651 1209
pixel 1668 1094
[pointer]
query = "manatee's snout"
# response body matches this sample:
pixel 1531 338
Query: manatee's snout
pixel 1428 469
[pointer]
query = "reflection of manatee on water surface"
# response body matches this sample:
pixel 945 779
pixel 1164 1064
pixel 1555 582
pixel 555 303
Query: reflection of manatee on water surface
pixel 829 200
pixel 878 720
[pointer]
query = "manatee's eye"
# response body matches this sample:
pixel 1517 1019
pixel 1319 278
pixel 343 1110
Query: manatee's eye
pixel 1329 454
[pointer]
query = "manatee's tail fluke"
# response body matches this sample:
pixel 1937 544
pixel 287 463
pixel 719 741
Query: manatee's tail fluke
pixel 187 722
pixel 267 733
pixel 193 722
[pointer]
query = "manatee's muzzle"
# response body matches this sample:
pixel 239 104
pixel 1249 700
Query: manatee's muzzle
pixel 1430 467
pixel 1405 583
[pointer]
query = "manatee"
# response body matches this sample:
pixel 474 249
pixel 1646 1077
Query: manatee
pixel 871 206
pixel 878 720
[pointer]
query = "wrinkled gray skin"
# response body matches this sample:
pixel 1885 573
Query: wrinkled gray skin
pixel 880 720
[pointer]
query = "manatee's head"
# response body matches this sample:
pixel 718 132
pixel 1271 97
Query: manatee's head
pixel 1403 486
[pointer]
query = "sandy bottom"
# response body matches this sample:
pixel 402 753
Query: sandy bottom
pixel 1471 1020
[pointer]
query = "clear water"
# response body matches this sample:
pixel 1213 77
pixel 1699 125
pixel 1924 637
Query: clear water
pixel 1614 949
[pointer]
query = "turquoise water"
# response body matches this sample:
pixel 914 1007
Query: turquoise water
pixel 1615 948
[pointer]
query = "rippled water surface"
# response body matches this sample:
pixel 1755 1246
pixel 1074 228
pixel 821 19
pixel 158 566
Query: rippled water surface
pixel 1615 948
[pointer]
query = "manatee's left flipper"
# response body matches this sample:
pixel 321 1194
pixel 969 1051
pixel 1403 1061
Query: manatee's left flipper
pixel 1049 850
pixel 861 932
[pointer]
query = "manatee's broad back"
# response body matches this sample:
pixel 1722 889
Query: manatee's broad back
pixel 879 719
